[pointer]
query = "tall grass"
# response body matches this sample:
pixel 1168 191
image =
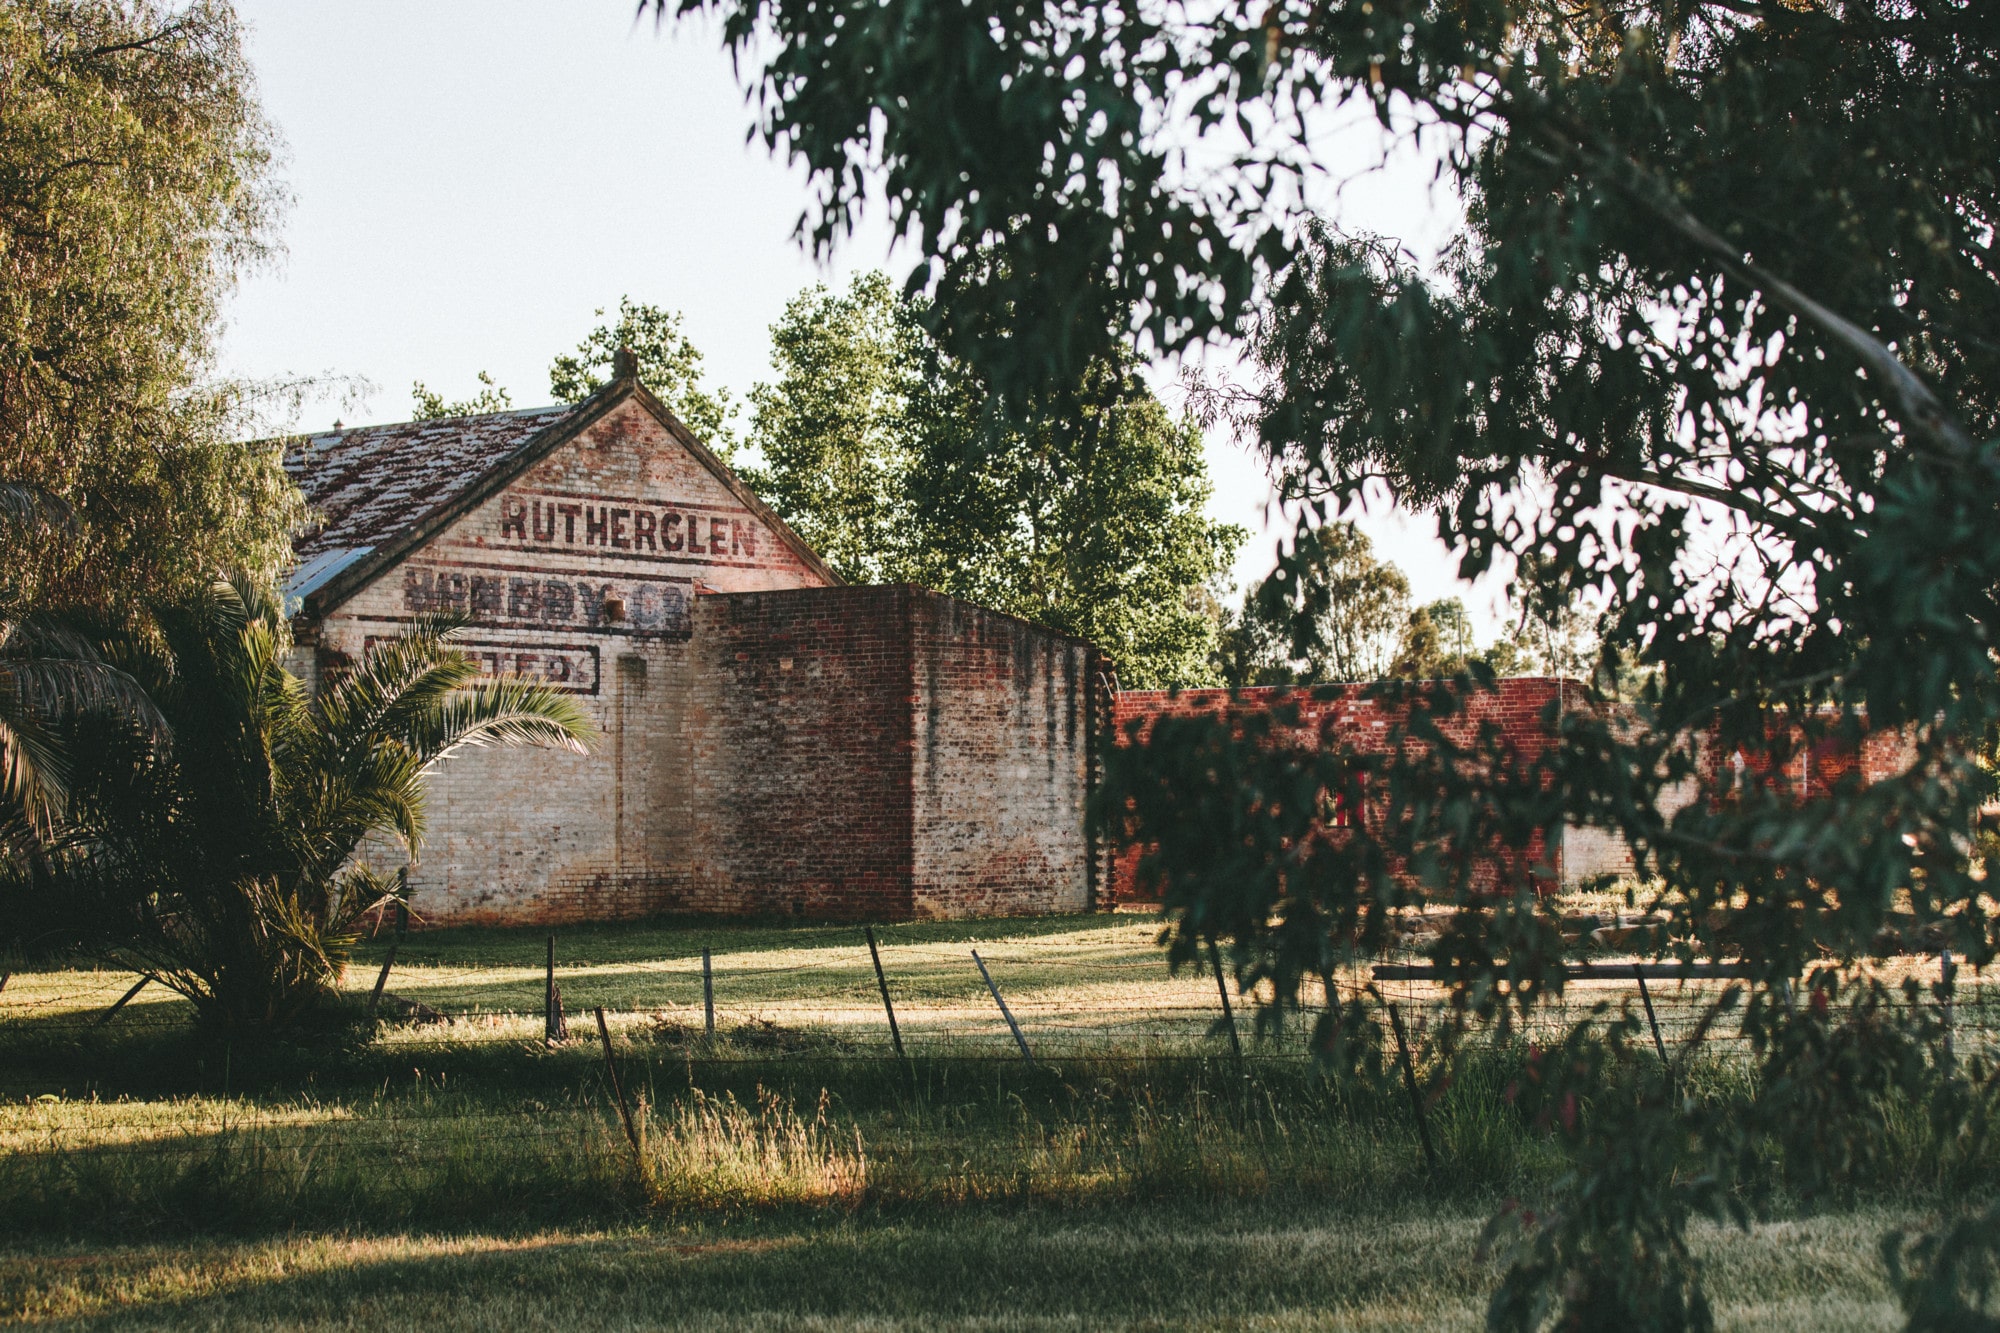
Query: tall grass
pixel 715 1152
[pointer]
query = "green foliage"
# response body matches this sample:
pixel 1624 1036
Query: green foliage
pixel 134 185
pixel 1713 346
pixel 1614 1254
pixel 1946 1280
pixel 223 862
pixel 1328 614
pixel 1334 611
pixel 833 430
pixel 669 364
pixel 53 671
pixel 427 405
pixel 898 463
pixel 1094 529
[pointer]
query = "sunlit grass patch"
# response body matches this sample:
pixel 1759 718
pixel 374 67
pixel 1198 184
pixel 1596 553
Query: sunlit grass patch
pixel 1301 1266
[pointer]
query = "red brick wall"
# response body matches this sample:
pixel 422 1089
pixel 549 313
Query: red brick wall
pixel 1520 706
pixel 881 753
pixel 1805 767
pixel 801 754
pixel 1341 713
pixel 1002 763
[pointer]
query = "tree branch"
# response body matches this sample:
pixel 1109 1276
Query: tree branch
pixel 1919 408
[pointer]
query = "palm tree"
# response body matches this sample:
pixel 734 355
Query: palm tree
pixel 52 670
pixel 236 858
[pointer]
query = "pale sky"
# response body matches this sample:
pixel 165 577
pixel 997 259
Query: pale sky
pixel 473 181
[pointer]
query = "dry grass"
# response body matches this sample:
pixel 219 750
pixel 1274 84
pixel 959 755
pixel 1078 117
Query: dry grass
pixel 1190 1267
pixel 795 1174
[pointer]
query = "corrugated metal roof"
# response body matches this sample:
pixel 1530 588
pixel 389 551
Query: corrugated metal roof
pixel 371 483
pixel 314 573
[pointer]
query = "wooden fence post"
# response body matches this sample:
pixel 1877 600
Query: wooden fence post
pixel 555 1025
pixel 123 1000
pixel 1332 1009
pixel 882 981
pixel 1410 1083
pixel 1646 998
pixel 708 992
pixel 618 1091
pixel 1005 1012
pixel 1947 974
pixel 1228 1013
pixel 382 979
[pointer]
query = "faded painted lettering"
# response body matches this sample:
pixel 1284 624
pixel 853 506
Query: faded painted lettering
pixel 531 521
pixel 570 667
pixel 650 604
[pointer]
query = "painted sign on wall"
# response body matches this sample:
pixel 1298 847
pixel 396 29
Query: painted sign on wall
pixel 570 667
pixel 694 532
pixel 644 604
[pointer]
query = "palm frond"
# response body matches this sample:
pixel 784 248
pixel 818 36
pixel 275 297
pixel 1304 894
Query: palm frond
pixel 396 681
pixel 54 688
pixel 360 890
pixel 504 710
pixel 38 695
pixel 33 509
pixel 34 771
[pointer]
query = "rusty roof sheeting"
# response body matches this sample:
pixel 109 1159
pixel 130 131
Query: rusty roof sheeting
pixel 370 483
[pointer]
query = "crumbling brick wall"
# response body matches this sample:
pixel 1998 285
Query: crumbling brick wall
pixel 1002 763
pixel 800 752
pixel 887 752
pixel 1576 856
pixel 1519 707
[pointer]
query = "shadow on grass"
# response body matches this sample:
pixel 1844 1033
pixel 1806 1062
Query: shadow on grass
pixel 661 939
pixel 1186 1265
pixel 1182 1265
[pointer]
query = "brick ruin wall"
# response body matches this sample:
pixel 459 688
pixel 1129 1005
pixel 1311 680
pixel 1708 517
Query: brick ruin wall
pixel 1002 763
pixel 804 714
pixel 1579 856
pixel 1366 724
pixel 770 745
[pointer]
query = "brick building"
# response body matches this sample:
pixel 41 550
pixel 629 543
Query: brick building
pixel 774 741
pixel 1574 856
pixel 1348 716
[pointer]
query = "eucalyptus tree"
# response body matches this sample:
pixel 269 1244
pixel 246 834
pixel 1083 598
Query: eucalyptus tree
pixel 54 668
pixel 899 462
pixel 832 430
pixel 1332 614
pixel 668 363
pixel 1713 342
pixel 135 185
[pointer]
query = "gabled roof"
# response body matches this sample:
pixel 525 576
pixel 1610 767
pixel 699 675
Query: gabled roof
pixel 382 491
pixel 369 482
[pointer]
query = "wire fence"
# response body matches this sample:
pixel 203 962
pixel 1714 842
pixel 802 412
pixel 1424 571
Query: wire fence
pixel 933 1000
pixel 1064 1013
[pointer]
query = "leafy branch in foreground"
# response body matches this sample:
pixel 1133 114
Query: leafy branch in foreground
pixel 1712 348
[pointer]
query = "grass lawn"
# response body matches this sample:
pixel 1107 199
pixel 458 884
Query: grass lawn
pixel 794 1172
pixel 1241 1266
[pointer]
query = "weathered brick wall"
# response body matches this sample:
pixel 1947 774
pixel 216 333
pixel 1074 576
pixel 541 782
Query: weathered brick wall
pixel 1805 766
pixel 800 752
pixel 624 513
pixel 1001 765
pixel 1367 725
pixel 1577 856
